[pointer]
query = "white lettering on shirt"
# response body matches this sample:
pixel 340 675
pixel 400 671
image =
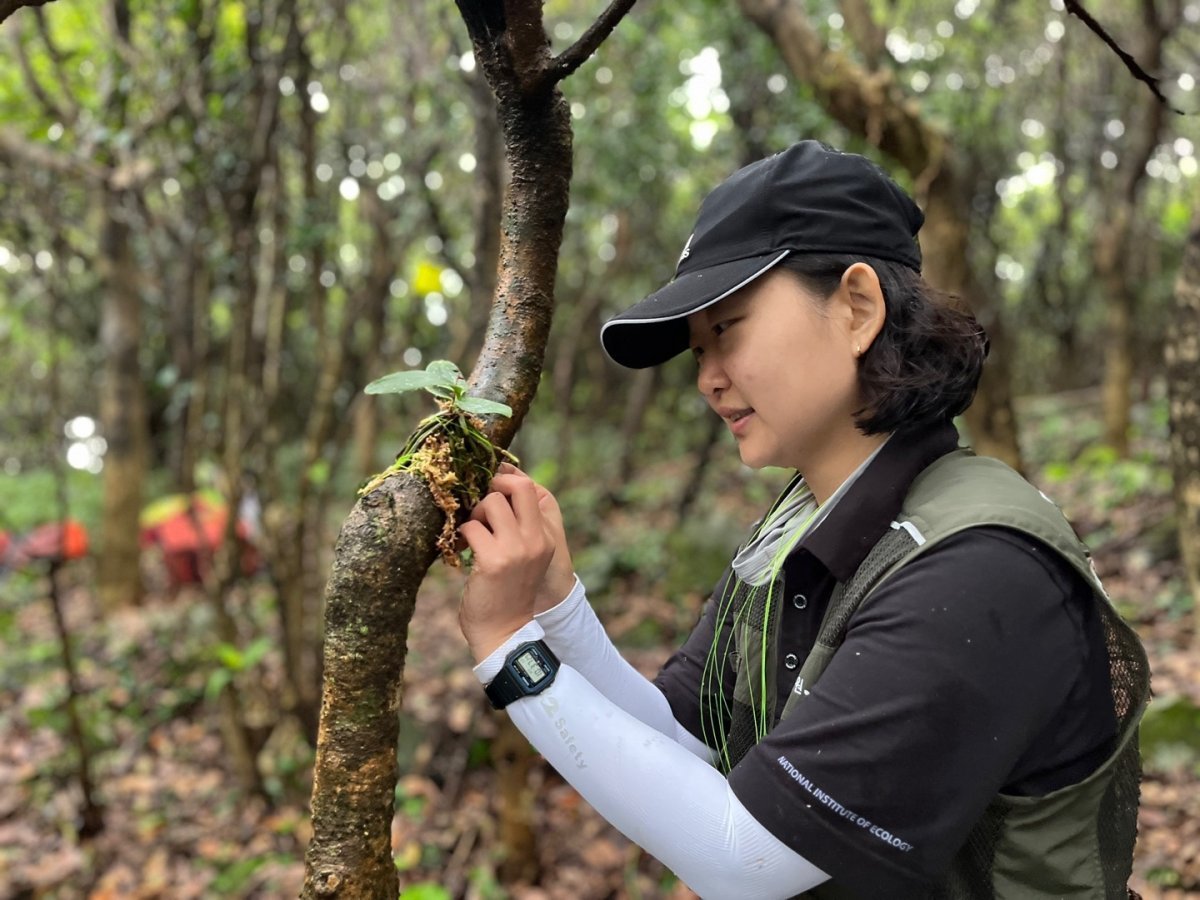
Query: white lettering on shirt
pixel 838 809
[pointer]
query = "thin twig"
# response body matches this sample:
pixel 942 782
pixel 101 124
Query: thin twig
pixel 1075 8
pixel 577 54
pixel 59 62
pixel 34 83
pixel 17 150
pixel 8 7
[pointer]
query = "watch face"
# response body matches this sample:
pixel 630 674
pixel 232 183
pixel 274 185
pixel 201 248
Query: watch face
pixel 531 667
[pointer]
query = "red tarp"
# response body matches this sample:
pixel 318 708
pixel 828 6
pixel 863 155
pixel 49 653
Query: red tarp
pixel 185 527
pixel 54 541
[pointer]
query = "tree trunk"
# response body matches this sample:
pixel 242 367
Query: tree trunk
pixel 122 414
pixel 645 382
pixel 691 490
pixel 512 758
pixel 489 193
pixel 1110 247
pixel 1182 354
pixel 990 419
pixel 388 540
pixel 872 105
pixel 91 812
pixel 1116 393
pixel 181 329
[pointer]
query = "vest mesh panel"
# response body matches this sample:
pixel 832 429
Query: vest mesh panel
pixel 971 874
pixel 889 550
pixel 1118 810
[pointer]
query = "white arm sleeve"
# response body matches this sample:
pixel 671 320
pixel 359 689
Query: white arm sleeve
pixel 578 638
pixel 656 793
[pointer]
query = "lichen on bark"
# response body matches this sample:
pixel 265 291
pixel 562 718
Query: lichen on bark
pixel 390 537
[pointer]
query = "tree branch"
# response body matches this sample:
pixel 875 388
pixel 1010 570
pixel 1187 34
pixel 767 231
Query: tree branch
pixel 8 7
pixel 1075 8
pixel 52 109
pixel 577 54
pixel 21 152
pixel 57 58
pixel 868 103
pixel 866 33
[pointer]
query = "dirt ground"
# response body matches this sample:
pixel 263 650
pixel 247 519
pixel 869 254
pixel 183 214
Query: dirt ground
pixel 175 828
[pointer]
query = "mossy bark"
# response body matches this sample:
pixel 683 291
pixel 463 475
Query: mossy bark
pixel 389 539
pixel 386 545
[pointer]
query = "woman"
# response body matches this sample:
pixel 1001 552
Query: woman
pixel 909 681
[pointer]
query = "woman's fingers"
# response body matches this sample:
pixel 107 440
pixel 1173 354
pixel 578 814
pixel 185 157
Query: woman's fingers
pixel 521 493
pixel 477 536
pixel 495 512
pixel 512 518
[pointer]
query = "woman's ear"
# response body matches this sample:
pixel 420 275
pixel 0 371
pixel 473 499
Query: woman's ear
pixel 864 305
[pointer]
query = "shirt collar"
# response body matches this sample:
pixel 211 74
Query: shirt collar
pixel 859 519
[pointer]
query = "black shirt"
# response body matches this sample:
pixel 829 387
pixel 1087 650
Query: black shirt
pixel 978 668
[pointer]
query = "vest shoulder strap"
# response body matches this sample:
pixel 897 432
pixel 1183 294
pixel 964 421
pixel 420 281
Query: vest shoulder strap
pixel 956 492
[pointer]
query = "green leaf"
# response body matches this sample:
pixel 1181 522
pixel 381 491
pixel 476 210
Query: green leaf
pixel 216 683
pixel 256 651
pixel 1170 732
pixel 448 373
pixel 426 890
pixel 399 382
pixel 230 657
pixel 318 472
pixel 444 391
pixel 481 407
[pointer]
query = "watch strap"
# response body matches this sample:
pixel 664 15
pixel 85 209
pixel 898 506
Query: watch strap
pixel 506 688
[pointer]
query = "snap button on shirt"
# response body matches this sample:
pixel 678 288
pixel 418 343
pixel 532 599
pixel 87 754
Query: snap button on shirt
pixel 791 661
pixel 799 601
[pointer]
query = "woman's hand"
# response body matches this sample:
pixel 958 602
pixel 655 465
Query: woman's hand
pixel 560 574
pixel 514 546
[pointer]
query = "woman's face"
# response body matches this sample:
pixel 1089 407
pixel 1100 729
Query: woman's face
pixel 780 367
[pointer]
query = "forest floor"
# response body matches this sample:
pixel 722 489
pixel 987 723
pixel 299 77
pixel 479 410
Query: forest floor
pixel 176 827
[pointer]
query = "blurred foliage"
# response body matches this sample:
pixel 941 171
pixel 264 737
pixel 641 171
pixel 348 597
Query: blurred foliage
pixel 707 92
pixel 1170 734
pixel 28 499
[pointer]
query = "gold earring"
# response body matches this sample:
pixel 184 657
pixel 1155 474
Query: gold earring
pixel 858 349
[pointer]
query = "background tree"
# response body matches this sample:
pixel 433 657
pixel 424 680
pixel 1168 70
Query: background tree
pixel 1183 370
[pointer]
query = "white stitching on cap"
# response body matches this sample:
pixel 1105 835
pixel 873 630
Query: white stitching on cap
pixel 684 315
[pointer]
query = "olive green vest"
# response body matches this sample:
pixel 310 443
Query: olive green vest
pixel 1076 842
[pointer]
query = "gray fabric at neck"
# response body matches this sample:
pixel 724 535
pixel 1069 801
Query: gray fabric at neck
pixel 797 512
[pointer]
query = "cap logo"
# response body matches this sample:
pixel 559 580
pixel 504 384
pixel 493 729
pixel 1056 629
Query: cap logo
pixel 687 250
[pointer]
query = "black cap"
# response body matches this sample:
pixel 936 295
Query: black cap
pixel 809 198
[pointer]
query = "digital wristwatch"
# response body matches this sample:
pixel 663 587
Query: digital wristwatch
pixel 528 670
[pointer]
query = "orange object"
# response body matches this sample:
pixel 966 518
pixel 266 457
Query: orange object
pixel 56 541
pixel 189 528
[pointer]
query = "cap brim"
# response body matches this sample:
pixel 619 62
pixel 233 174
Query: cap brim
pixel 651 332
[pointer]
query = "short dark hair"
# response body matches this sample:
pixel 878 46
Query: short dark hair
pixel 925 365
